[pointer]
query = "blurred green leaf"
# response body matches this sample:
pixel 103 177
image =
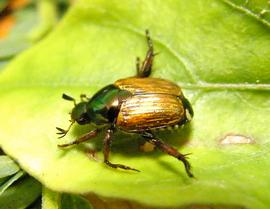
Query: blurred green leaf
pixel 50 199
pixel 36 204
pixel 3 4
pixel 20 195
pixel 3 180
pixel 69 201
pixel 32 23
pixel 18 39
pixel 3 63
pixel 48 15
pixel 10 181
pixel 54 200
pixel 7 166
pixel 218 51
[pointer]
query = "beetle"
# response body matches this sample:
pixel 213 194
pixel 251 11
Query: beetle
pixel 140 105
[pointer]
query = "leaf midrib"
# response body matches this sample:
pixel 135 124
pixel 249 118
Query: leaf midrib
pixel 189 86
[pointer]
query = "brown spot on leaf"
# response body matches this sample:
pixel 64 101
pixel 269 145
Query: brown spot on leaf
pixel 236 139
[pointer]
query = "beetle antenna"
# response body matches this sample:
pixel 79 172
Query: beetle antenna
pixel 63 132
pixel 69 98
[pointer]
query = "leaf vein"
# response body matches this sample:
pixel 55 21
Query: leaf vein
pixel 248 12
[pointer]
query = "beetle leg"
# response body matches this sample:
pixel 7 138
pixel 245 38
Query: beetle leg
pixel 169 150
pixel 145 69
pixel 106 151
pixel 81 139
pixel 63 132
pixel 138 63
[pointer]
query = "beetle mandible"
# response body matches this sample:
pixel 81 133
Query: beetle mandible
pixel 138 105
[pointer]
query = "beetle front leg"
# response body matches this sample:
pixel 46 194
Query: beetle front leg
pixel 145 69
pixel 81 139
pixel 106 151
pixel 169 150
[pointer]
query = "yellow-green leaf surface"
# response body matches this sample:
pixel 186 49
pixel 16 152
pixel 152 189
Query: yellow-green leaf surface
pixel 218 51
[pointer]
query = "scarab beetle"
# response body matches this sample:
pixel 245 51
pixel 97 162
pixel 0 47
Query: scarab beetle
pixel 138 105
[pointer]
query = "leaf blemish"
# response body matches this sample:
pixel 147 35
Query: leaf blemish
pixel 236 139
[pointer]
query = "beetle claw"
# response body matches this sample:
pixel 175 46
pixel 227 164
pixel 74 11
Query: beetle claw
pixel 60 129
pixel 186 155
pixel 156 53
pixel 124 167
pixel 61 132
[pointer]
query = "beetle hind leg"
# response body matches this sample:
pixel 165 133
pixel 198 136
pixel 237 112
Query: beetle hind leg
pixel 145 69
pixel 138 65
pixel 106 151
pixel 169 150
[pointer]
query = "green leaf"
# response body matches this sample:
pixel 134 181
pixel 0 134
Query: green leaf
pixel 50 199
pixel 3 63
pixel 10 181
pixel 32 23
pixel 48 18
pixel 218 51
pixel 7 166
pixel 54 200
pixel 36 204
pixel 3 4
pixel 20 195
pixel 69 201
pixel 3 180
pixel 18 39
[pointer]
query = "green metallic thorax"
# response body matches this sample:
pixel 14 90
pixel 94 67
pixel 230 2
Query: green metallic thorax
pixel 103 107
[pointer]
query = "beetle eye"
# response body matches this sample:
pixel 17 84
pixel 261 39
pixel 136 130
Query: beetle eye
pixel 83 119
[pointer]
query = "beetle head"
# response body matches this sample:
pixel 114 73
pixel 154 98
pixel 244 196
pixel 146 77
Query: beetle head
pixel 79 113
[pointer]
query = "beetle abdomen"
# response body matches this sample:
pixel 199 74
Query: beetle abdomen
pixel 148 85
pixel 149 111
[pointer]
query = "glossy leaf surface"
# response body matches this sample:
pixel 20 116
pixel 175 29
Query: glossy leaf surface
pixel 218 51
pixel 7 166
